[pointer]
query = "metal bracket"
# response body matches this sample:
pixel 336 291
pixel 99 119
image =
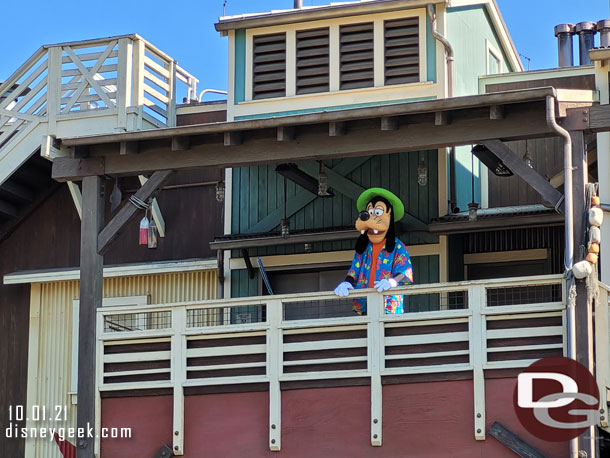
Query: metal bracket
pixel 575 119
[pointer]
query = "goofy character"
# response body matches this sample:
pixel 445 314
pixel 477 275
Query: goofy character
pixel 381 260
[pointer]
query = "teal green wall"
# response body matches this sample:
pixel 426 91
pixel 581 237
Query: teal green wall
pixel 430 51
pixel 258 192
pixel 240 66
pixel 467 30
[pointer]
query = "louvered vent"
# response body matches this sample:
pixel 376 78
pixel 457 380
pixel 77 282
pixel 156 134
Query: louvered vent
pixel 357 61
pixel 401 43
pixel 312 61
pixel 269 66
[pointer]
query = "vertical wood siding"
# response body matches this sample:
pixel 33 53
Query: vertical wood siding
pixel 55 331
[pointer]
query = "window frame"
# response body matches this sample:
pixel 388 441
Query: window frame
pixel 492 52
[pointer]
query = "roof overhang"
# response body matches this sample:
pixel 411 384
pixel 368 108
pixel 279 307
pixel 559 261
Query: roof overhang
pixel 353 132
pixel 314 13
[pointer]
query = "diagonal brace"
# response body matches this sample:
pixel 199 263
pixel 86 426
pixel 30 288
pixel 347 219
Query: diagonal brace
pixel 128 212
pixel 531 177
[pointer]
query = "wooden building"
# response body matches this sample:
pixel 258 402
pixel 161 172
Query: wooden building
pixel 184 345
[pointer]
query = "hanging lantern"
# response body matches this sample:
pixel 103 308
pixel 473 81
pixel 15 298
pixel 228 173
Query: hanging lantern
pixel 220 191
pixel 152 234
pixel 322 182
pixel 527 157
pixel 422 172
pixel 144 231
pixel 285 224
pixel 472 211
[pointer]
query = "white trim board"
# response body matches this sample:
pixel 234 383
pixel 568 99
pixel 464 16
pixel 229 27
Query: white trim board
pixel 127 270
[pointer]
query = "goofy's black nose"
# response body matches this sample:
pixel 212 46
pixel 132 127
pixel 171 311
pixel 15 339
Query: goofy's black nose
pixel 364 215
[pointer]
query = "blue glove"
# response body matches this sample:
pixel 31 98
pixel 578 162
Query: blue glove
pixel 385 284
pixel 343 289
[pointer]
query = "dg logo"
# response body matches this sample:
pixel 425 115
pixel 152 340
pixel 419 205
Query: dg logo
pixel 556 399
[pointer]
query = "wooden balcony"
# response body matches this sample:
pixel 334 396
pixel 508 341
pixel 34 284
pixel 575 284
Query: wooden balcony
pixel 451 331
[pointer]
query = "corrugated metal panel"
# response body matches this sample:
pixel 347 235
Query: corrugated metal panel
pixel 269 66
pixel 356 56
pixel 55 335
pixel 312 55
pixel 401 48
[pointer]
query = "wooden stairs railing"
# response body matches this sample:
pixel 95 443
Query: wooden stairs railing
pixel 82 88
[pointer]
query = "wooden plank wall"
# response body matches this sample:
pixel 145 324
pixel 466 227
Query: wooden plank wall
pixel 38 243
pixel 258 191
pixel 547 159
pixel 50 238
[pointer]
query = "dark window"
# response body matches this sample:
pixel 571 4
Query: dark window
pixel 401 49
pixel 312 55
pixel 357 56
pixel 269 66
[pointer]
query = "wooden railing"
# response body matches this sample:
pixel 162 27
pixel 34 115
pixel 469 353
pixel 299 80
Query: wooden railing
pixel 88 87
pixel 468 327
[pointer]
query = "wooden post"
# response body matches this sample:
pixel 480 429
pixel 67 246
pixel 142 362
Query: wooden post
pixel 583 318
pixel 91 279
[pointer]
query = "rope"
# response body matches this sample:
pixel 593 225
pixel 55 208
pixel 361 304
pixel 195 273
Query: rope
pixel 139 203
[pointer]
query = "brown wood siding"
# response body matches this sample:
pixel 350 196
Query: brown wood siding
pixel 356 56
pixel 547 160
pixel 50 238
pixel 269 66
pixel 312 61
pixel 568 82
pixel 401 49
pixel 205 117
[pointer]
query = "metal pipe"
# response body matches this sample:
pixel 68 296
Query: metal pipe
pixel 565 53
pixel 298 4
pixel 449 58
pixel 569 238
pixel 586 36
pixel 210 91
pixel 603 27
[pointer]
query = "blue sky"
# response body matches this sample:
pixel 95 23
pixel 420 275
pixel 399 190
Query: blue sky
pixel 184 29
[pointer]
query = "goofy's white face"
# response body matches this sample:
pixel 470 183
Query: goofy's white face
pixel 375 221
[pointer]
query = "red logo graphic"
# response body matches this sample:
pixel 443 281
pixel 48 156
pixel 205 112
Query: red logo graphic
pixel 556 399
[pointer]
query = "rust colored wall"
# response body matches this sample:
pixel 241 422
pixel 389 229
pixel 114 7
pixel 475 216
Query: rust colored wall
pixel 421 420
pixel 150 420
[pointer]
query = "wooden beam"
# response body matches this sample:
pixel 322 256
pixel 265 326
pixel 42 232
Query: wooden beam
pixel 129 211
pixel 8 209
pixel 77 198
pixel 91 281
pixel 17 190
pixel 182 143
pixel 529 175
pixel 128 148
pixel 521 122
pixel 336 129
pixel 513 442
pixel 249 268
pixel 233 138
pixel 285 133
pixel 496 112
pixel 441 118
pixel 389 123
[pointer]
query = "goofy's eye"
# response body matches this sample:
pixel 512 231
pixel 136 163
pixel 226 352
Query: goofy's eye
pixel 371 211
pixel 378 212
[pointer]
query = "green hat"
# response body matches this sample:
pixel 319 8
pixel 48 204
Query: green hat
pixel 397 207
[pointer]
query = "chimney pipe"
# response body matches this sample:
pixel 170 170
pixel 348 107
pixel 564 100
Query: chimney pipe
pixel 603 27
pixel 586 35
pixel 298 4
pixel 565 54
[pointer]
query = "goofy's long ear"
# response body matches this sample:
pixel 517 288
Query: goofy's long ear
pixel 362 243
pixel 390 237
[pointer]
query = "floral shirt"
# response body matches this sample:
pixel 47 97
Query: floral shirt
pixel 389 265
